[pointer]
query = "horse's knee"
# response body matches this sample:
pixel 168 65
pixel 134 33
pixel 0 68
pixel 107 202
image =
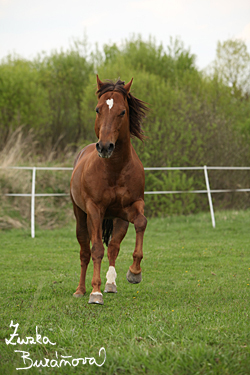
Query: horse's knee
pixel 140 223
pixel 97 251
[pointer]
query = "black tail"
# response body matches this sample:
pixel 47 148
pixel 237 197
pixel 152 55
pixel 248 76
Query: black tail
pixel 107 229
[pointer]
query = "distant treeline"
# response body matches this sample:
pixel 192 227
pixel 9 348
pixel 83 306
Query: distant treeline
pixel 195 117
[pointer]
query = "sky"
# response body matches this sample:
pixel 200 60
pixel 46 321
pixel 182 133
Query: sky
pixel 28 27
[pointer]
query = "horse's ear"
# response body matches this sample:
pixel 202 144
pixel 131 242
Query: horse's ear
pixel 99 82
pixel 128 86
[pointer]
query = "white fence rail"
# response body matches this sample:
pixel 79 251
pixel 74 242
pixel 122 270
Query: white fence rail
pixel 208 191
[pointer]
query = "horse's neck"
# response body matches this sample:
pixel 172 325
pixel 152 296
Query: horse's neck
pixel 122 154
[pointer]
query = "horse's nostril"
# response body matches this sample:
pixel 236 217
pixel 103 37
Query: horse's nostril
pixel 111 147
pixel 98 147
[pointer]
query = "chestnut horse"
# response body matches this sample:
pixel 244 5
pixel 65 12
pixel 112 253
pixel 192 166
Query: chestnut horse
pixel 107 187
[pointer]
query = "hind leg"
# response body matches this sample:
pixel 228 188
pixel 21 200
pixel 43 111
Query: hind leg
pixel 120 228
pixel 83 239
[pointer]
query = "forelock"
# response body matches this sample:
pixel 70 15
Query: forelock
pixel 112 86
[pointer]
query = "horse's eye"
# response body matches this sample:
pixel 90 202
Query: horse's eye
pixel 122 113
pixel 97 110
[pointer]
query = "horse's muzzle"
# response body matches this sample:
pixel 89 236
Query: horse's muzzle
pixel 105 150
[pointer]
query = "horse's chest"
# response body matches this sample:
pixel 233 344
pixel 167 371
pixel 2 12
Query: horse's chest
pixel 122 196
pixel 119 197
pixel 119 200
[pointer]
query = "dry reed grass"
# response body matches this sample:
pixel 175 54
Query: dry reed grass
pixel 21 150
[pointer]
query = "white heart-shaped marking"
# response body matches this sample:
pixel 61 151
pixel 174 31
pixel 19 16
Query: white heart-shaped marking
pixel 110 103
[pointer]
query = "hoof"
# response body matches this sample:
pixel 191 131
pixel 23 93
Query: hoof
pixel 96 298
pixel 79 292
pixel 77 295
pixel 132 278
pixel 110 288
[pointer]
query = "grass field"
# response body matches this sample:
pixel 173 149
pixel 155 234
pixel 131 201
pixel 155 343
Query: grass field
pixel 189 315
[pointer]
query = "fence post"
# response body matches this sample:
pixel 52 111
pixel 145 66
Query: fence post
pixel 33 189
pixel 209 196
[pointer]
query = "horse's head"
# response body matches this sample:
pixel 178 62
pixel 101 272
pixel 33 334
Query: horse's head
pixel 112 116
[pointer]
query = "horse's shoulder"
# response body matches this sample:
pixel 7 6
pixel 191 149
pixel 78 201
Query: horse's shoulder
pixel 84 152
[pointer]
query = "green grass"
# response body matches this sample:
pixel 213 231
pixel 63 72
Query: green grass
pixel 189 315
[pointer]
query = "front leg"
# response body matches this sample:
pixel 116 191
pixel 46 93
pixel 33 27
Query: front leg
pixel 94 222
pixel 120 228
pixel 136 216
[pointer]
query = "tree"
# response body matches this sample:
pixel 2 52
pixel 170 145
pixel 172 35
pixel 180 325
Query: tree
pixel 232 64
